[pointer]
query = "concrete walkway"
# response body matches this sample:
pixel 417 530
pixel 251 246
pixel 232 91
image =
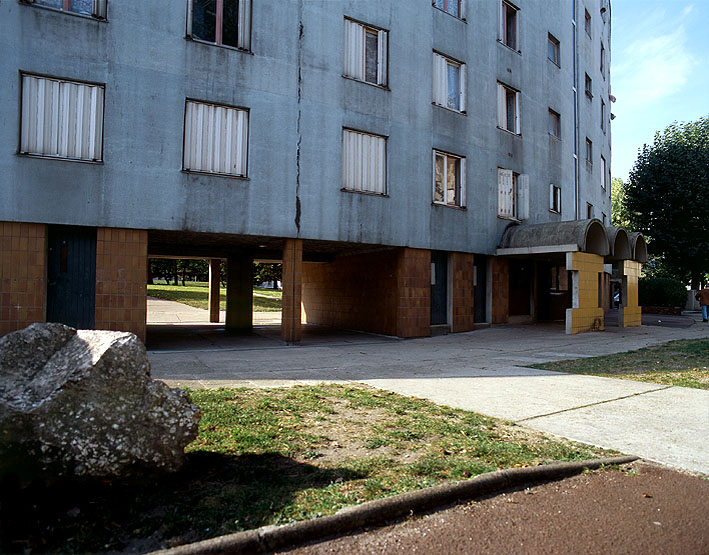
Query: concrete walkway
pixel 484 371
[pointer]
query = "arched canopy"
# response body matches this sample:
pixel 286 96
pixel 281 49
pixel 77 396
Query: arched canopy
pixel 619 243
pixel 577 235
pixel 639 246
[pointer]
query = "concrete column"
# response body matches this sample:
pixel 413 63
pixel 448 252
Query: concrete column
pixel 291 331
pixel 214 279
pixel 239 294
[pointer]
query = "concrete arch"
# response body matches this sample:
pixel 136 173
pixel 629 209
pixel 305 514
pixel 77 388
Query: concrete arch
pixel 619 243
pixel 577 235
pixel 639 246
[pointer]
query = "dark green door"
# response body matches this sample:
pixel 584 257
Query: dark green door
pixel 71 276
pixel 439 288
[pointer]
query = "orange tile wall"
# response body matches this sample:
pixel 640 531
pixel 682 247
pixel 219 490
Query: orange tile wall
pixel 22 275
pixel 291 331
pixel 121 276
pixel 462 283
pixel 414 293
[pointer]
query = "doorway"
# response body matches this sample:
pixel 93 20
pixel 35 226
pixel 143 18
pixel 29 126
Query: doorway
pixel 439 288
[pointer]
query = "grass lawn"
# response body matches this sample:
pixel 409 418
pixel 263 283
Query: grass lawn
pixel 196 293
pixel 684 363
pixel 272 456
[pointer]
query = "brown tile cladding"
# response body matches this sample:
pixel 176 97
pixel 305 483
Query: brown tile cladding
pixel 121 275
pixel 500 290
pixel 463 317
pixel 292 278
pixel 22 275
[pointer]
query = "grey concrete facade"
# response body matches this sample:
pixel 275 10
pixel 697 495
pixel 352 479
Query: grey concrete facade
pixel 292 83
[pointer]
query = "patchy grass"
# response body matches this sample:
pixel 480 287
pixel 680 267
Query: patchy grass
pixel 683 363
pixel 196 293
pixel 272 456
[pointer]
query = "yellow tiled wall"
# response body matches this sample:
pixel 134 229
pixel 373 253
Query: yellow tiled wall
pixel 631 314
pixel 585 315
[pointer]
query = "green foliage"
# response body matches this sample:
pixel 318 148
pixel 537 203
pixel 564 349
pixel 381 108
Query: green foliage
pixel 178 270
pixel 666 197
pixel 619 214
pixel 661 291
pixel 266 272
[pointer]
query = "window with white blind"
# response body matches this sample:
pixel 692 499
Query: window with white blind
pixel 603 172
pixel 363 162
pixel 554 198
pixel 448 179
pixel 365 53
pixel 92 8
pixel 448 83
pixel 224 22
pixel 512 195
pixel 60 118
pixel 456 8
pixel 508 109
pixel 216 139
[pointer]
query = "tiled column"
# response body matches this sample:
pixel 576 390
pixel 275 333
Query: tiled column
pixel 22 275
pixel 239 294
pixel 630 314
pixel 586 313
pixel 462 294
pixel 121 278
pixel 413 276
pixel 214 280
pixel 500 290
pixel 291 331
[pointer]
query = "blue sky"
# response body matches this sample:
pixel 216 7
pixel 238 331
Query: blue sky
pixel 659 71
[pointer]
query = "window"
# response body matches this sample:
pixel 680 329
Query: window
pixel 553 50
pixel 363 162
pixel 554 124
pixel 589 87
pixel 603 115
pixel 60 118
pixel 604 217
pixel 216 139
pixel 589 210
pixel 365 53
pixel 448 83
pixel 93 8
pixel 603 61
pixel 512 195
pixel 554 198
pixel 453 7
pixel 587 22
pixel 508 109
pixel 589 151
pixel 448 179
pixel 508 25
pixel 224 22
pixel 603 172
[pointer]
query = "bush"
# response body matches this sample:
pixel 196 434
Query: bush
pixel 661 292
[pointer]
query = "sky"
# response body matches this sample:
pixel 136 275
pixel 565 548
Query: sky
pixel 659 71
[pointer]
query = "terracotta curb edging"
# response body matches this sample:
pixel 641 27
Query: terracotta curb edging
pixel 270 538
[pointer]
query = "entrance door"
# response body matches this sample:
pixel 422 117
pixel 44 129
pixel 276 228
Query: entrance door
pixel 479 288
pixel 520 288
pixel 71 276
pixel 439 288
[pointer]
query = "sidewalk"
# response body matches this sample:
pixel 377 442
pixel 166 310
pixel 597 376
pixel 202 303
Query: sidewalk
pixel 484 371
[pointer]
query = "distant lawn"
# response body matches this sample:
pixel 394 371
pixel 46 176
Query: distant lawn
pixel 684 363
pixel 196 293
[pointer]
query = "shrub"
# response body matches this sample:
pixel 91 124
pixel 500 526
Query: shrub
pixel 661 292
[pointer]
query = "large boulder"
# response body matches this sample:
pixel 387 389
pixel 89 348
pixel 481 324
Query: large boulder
pixel 81 403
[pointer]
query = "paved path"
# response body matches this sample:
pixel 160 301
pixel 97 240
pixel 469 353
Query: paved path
pixel 484 371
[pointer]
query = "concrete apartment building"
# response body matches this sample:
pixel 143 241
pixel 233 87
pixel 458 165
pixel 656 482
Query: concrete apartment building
pixel 413 164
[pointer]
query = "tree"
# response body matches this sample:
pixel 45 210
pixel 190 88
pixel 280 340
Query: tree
pixel 619 215
pixel 666 198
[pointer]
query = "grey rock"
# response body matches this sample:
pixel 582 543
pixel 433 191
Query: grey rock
pixel 82 403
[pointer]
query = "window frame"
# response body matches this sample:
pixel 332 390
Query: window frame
pixel 503 118
pixel 603 60
pixel 441 62
pixel 588 86
pixel 353 59
pixel 555 122
pixel 460 176
pixel 589 152
pixel 217 28
pixel 554 198
pixel 22 126
pixel 384 170
pixel 507 8
pixel 99 8
pixel 587 24
pixel 246 139
pixel 603 116
pixel 589 211
pixel 517 196
pixel 604 184
pixel 554 45
pixel 444 9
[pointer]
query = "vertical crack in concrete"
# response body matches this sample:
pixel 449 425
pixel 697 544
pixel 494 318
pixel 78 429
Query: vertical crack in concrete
pixel 298 130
